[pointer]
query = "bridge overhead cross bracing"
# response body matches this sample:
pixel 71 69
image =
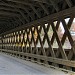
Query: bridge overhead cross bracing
pixel 26 11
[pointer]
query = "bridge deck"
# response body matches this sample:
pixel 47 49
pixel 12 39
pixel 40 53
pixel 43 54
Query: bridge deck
pixel 12 65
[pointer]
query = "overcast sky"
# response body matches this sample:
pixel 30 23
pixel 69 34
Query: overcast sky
pixel 66 20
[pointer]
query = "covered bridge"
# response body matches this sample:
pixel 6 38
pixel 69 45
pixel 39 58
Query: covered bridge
pixel 29 29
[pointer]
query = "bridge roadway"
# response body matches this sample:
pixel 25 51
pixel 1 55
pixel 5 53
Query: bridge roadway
pixel 14 66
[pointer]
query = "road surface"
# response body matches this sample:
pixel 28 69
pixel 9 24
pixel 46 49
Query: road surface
pixel 14 66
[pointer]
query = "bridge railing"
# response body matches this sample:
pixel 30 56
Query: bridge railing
pixel 40 41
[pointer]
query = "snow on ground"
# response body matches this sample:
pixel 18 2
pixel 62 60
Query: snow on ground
pixel 13 66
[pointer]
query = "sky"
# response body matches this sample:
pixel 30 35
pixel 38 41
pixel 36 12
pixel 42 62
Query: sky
pixel 66 20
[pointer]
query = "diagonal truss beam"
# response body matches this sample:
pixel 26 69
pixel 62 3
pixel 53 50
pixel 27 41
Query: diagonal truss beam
pixel 17 7
pixel 54 5
pixel 69 2
pixel 7 13
pixel 35 11
pixel 17 10
pixel 44 8
pixel 28 4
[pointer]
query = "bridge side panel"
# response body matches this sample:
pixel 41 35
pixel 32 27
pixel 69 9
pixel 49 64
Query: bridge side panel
pixel 40 41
